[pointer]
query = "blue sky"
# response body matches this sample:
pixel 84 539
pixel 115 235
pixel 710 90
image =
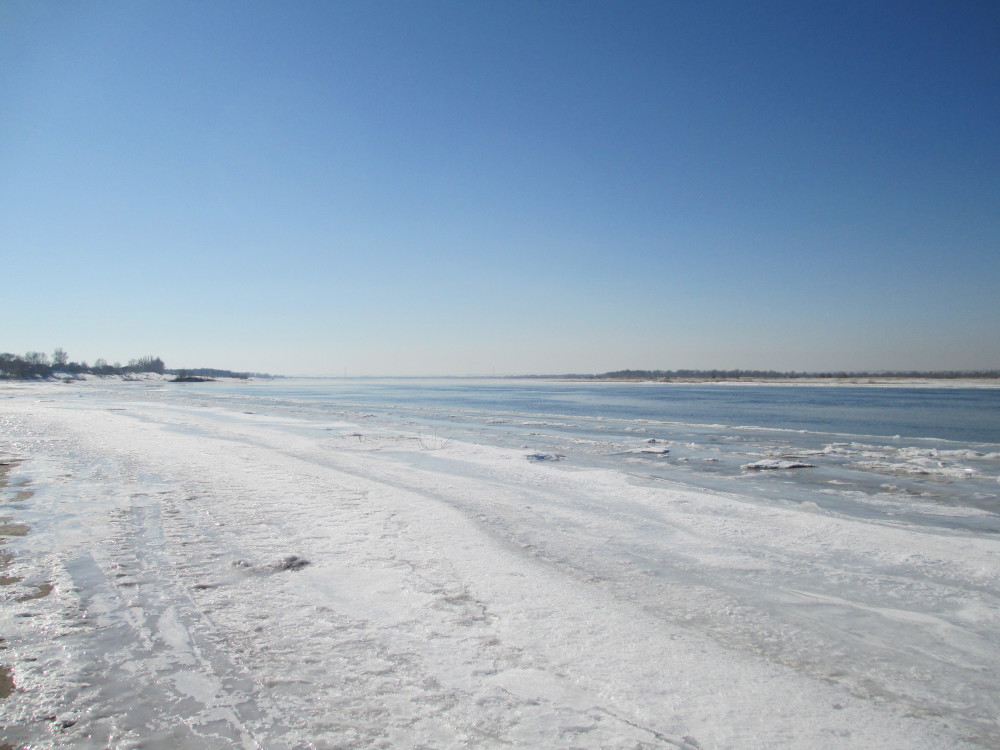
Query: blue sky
pixel 512 187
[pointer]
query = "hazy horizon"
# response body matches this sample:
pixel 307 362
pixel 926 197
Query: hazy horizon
pixel 389 188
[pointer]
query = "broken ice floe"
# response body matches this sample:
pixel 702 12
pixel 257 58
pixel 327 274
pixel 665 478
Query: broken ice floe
pixel 776 463
pixel 652 450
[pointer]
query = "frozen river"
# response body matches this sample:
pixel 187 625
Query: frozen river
pixel 494 564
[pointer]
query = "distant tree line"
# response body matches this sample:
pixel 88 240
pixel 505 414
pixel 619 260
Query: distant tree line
pixel 780 375
pixel 40 365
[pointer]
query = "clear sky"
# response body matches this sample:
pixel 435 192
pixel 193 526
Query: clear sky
pixel 513 187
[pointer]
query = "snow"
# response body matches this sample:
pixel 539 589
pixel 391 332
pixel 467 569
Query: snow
pixel 223 579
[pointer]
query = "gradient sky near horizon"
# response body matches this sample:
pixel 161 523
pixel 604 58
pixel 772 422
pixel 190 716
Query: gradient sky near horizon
pixel 407 188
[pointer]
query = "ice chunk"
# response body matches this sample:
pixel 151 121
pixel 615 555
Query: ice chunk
pixel 776 463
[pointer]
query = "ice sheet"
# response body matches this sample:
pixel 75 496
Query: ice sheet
pixel 458 595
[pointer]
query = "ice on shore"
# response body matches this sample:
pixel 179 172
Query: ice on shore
pixel 458 597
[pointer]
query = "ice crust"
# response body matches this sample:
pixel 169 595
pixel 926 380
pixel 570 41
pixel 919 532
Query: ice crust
pixel 457 595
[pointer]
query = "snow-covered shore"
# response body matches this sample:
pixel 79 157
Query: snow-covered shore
pixel 131 377
pixel 456 595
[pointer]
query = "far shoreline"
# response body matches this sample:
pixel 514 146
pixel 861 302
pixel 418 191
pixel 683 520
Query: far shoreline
pixel 867 382
pixel 833 382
